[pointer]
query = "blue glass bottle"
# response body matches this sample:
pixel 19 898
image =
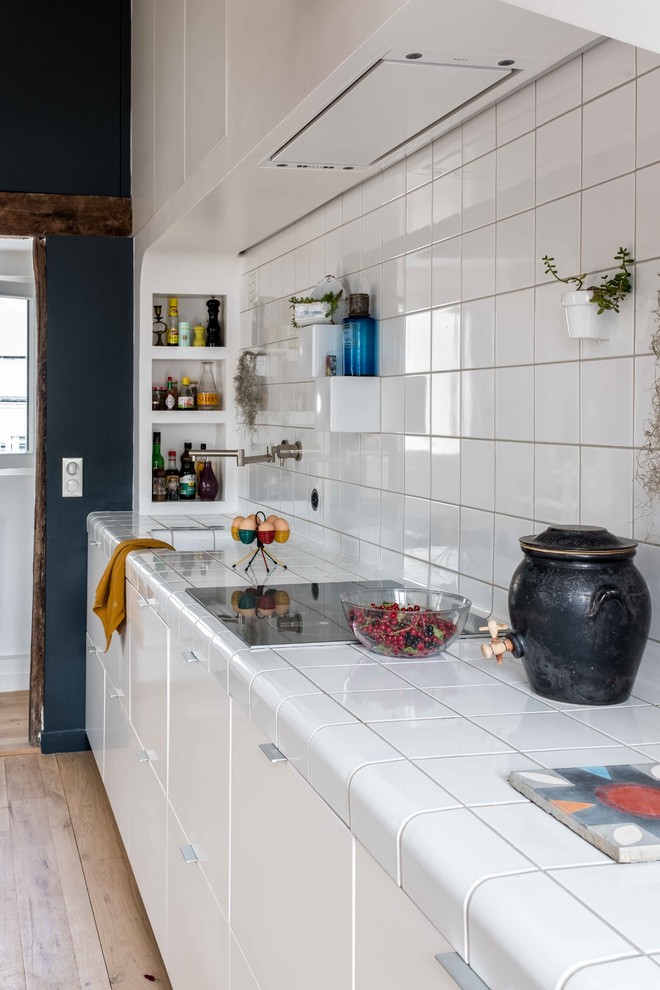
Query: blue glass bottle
pixel 359 337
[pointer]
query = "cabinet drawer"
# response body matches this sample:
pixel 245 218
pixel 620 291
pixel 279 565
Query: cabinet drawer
pixel 115 660
pixel 120 747
pixel 197 948
pixel 198 780
pixel 291 873
pixel 148 651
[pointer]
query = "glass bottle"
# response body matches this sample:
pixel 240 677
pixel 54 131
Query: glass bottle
pixel 208 483
pixel 199 465
pixel 207 393
pixel 173 323
pixel 172 394
pixel 172 478
pixel 157 471
pixel 214 335
pixel 359 337
pixel 187 483
pixel 186 399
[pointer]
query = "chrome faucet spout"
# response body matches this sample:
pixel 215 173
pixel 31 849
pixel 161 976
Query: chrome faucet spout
pixel 281 450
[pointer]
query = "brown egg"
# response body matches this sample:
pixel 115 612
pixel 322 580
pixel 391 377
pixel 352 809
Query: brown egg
pixel 253 516
pixel 247 523
pixel 271 519
pixel 236 522
pixel 265 527
pixel 281 526
pixel 266 605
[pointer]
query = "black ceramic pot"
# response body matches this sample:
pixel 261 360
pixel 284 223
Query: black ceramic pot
pixel 581 612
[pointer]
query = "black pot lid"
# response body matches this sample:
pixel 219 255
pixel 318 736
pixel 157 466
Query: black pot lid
pixel 579 541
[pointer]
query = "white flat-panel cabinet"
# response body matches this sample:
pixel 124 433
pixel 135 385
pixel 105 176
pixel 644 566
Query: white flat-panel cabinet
pixel 95 705
pixel 290 872
pixel 115 660
pixel 395 945
pixel 197 950
pixel 147 841
pixel 198 786
pixel 121 745
pixel 148 703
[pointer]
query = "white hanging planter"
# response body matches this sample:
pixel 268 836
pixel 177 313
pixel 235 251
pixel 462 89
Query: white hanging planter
pixel 582 319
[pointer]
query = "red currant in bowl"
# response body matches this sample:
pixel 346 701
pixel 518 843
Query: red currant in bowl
pixel 402 622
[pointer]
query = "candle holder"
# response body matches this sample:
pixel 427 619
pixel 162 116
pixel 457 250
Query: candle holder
pixel 158 321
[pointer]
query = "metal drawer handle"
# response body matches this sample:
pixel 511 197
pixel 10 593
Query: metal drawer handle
pixel 117 694
pixel 190 657
pixel 93 650
pixel 271 751
pixel 94 543
pixel 151 601
pixel 189 854
pixel 462 974
pixel 142 755
pixel 141 602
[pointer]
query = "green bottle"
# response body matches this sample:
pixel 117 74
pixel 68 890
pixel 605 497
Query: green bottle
pixel 157 461
pixel 187 480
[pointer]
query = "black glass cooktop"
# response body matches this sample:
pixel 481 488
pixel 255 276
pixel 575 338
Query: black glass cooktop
pixel 292 614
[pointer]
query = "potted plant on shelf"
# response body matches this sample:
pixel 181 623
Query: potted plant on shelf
pixel 583 306
pixel 320 307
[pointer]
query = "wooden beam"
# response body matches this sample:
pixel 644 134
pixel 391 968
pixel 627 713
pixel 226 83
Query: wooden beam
pixel 38 637
pixel 46 214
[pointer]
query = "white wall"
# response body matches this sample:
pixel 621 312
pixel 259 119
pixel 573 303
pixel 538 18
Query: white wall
pixel 494 422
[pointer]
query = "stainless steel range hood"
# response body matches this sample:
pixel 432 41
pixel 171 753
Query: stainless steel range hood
pixel 394 101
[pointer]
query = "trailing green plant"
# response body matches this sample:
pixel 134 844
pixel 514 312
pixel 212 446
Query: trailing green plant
pixel 247 389
pixel 613 288
pixel 648 458
pixel 331 299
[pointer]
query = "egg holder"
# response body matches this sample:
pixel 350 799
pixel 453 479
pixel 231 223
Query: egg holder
pixel 248 536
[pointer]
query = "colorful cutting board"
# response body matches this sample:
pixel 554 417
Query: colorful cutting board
pixel 617 809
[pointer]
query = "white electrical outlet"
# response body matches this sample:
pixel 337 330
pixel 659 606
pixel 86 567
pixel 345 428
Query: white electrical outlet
pixel 72 477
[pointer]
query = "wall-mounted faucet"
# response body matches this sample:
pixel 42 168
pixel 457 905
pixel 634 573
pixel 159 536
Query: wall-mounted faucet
pixel 282 451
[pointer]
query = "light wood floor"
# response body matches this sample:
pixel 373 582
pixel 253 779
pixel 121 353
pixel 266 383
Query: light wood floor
pixel 14 723
pixel 71 917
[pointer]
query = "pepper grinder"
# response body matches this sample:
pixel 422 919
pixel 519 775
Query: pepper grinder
pixel 214 336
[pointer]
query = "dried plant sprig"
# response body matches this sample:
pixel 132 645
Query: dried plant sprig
pixel 247 389
pixel 613 288
pixel 648 457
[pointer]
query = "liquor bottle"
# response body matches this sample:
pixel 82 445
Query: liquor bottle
pixel 187 482
pixel 186 399
pixel 207 393
pixel 199 465
pixel 214 335
pixel 156 456
pixel 173 323
pixel 172 478
pixel 157 471
pixel 359 337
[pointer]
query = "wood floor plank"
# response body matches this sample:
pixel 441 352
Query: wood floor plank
pixel 24 777
pixel 3 785
pixel 93 822
pixel 14 727
pixel 129 946
pixel 12 972
pixel 84 935
pixel 48 955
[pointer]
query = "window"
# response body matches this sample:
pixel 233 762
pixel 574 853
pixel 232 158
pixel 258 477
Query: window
pixel 14 374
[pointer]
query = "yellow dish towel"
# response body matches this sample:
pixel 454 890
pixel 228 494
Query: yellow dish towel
pixel 110 600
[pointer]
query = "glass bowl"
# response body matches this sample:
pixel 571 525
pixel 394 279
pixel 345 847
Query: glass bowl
pixel 400 622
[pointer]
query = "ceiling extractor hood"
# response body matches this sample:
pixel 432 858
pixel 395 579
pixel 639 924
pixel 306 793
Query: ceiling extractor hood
pixel 395 100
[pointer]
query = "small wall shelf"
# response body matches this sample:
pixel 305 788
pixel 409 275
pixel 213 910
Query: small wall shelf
pixel 178 416
pixel 188 353
pixel 346 404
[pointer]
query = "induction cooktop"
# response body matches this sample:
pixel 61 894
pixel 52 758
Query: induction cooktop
pixel 303 614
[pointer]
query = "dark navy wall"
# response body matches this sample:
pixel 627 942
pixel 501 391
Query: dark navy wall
pixel 89 415
pixel 64 116
pixel 64 121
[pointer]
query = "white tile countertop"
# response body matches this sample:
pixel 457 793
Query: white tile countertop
pixel 414 756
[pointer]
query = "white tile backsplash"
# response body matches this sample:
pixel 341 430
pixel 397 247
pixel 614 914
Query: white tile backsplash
pixel 494 423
